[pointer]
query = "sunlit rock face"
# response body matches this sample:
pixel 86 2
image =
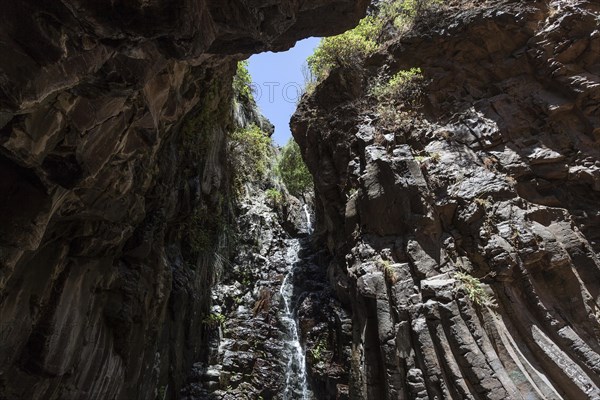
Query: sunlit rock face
pixel 497 175
pixel 113 117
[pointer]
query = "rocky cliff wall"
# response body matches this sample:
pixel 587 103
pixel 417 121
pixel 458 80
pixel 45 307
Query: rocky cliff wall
pixel 114 182
pixel 252 355
pixel 464 219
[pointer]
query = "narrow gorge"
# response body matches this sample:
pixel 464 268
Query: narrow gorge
pixel 447 248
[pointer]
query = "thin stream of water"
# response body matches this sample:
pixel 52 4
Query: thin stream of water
pixel 309 227
pixel 296 385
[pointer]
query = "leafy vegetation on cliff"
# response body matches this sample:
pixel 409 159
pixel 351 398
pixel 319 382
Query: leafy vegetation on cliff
pixel 399 15
pixel 354 45
pixel 346 49
pixel 292 169
pixel 251 150
pixel 242 81
pixel 397 95
pixel 402 84
pixel 473 288
pixel 274 196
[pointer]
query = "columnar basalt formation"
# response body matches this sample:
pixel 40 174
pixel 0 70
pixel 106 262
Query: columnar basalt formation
pixel 113 118
pixel 465 223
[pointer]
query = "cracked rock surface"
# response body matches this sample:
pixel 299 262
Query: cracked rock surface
pixel 465 231
pixel 113 118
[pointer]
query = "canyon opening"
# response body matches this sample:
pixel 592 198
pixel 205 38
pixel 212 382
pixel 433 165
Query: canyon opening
pixel 431 231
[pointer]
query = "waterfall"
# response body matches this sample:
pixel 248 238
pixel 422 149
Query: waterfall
pixel 309 227
pixel 296 386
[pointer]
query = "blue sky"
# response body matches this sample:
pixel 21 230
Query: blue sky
pixel 277 80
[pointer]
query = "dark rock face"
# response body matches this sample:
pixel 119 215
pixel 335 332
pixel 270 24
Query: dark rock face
pixel 252 355
pixel 113 117
pixel 497 176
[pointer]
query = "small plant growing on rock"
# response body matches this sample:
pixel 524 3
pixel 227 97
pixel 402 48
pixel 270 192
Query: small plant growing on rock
pixel 511 181
pixel 161 393
pixel 401 14
pixel 397 97
pixel 433 157
pixel 388 271
pixel 473 289
pixel 392 118
pixel 404 85
pixel 274 196
pixel 214 319
pixel 244 275
pixel 317 352
pixel 482 202
pixel 515 235
pixel 489 163
pixel 351 192
pixel 379 138
pixel 444 134
pixel 310 80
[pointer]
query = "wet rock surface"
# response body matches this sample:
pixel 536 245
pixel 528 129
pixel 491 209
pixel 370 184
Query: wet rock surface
pixel 258 348
pixel 464 232
pixel 115 183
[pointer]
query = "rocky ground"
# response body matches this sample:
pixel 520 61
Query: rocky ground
pixel 463 219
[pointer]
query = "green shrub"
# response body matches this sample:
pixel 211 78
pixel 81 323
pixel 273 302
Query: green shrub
pixel 274 196
pixel 404 77
pixel 354 45
pixel 402 13
pixel 388 271
pixel 346 49
pixel 250 153
pixel 473 289
pixel 405 84
pixel 318 351
pixel 292 170
pixel 214 319
pixel 242 81
pixel 397 97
